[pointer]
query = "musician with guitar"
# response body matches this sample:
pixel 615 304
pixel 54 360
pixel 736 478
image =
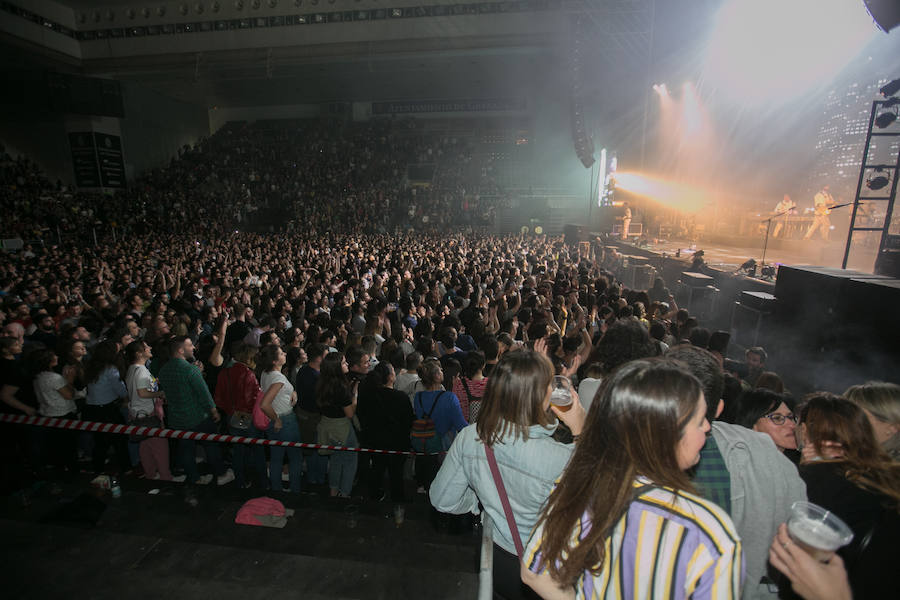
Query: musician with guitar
pixel 823 203
pixel 782 210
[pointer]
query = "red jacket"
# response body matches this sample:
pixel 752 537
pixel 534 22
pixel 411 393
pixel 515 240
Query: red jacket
pixel 236 389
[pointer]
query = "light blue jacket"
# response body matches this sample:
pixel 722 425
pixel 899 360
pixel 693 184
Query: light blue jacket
pixel 529 468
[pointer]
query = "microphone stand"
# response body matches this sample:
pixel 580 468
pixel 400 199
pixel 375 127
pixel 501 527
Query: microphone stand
pixel 768 223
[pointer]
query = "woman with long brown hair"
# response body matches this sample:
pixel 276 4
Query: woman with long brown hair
pixel 847 472
pixel 516 424
pixel 623 521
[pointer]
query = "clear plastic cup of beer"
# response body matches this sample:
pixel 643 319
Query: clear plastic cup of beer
pixel 818 531
pixel 560 393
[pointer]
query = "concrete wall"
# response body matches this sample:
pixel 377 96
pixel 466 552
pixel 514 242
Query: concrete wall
pixel 155 126
pixel 41 138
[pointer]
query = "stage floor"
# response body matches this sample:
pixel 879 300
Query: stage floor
pixel 731 253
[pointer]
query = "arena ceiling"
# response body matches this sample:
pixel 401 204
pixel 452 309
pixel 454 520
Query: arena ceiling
pixel 509 60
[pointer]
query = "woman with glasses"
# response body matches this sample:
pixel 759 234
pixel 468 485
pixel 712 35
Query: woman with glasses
pixel 765 411
pixel 847 472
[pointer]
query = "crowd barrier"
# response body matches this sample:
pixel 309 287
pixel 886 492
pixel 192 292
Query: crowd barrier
pixel 179 434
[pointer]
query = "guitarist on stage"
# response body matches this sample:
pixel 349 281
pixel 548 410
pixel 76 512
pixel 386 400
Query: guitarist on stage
pixel 823 203
pixel 782 210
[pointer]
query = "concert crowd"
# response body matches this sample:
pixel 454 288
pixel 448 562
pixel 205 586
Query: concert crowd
pixel 292 283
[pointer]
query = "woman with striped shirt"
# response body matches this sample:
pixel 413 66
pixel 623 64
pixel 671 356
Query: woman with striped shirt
pixel 623 521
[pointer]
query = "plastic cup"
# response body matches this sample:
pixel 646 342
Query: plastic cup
pixel 818 531
pixel 560 396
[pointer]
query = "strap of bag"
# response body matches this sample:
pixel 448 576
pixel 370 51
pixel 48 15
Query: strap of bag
pixel 466 388
pixel 504 500
pixel 438 397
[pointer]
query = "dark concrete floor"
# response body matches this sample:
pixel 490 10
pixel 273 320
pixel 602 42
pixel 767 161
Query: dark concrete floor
pixel 154 546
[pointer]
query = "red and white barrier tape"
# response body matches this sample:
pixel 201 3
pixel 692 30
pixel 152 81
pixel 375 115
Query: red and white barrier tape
pixel 179 434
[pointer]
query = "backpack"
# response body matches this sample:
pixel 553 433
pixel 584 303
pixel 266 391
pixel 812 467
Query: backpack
pixel 423 436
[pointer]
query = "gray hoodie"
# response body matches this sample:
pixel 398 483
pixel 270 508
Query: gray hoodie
pixel 764 484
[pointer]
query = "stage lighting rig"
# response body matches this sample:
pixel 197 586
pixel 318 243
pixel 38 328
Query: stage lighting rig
pixel 879 182
pixel 887 118
pixel 890 89
pixel 885 13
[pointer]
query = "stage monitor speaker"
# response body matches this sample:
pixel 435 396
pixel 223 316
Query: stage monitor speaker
pixel 695 280
pixel 575 233
pixel 811 294
pixel 888 262
pixel 761 301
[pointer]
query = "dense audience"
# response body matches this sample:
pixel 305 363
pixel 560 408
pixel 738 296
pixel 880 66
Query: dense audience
pixel 334 330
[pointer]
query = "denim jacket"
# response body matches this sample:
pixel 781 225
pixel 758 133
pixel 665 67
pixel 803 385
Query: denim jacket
pixel 529 468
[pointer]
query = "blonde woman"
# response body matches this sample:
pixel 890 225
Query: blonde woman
pixel 881 403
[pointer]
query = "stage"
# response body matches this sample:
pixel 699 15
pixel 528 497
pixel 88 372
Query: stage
pixel 825 328
pixel 730 252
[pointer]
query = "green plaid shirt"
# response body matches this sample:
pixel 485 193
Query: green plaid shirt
pixel 712 478
pixel 187 398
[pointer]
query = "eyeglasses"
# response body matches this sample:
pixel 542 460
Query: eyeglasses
pixel 779 419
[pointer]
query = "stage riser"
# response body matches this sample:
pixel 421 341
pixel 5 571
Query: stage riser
pixel 834 328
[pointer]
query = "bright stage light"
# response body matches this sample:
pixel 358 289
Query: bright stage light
pixel 671 194
pixel 763 50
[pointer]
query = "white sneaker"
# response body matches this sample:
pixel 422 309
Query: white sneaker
pixel 228 477
pixel 205 479
pixel 179 478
